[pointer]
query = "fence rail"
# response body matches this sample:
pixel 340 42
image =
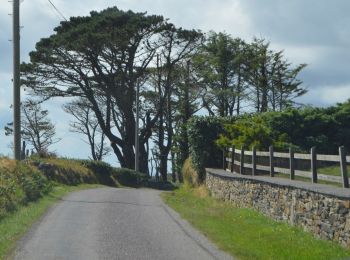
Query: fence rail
pixel 272 168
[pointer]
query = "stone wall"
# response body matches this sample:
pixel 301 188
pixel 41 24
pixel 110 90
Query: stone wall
pixel 321 209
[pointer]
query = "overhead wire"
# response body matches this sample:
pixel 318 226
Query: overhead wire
pixel 57 10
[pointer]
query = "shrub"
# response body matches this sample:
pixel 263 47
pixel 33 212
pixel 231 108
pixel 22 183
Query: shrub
pixel 190 175
pixel 65 171
pixel 103 171
pixel 202 134
pixel 129 177
pixel 247 132
pixel 20 183
pixel 32 182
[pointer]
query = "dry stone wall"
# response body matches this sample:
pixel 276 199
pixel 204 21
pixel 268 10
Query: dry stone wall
pixel 320 209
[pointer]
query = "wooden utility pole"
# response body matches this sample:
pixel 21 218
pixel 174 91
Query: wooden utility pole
pixel 137 142
pixel 16 82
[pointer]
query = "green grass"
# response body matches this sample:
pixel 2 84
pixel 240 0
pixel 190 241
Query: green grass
pixel 14 225
pixel 247 234
pixel 333 170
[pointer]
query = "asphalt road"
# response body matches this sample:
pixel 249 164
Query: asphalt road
pixel 112 223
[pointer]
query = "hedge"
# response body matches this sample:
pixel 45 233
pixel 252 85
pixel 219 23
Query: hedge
pixel 202 134
pixel 26 181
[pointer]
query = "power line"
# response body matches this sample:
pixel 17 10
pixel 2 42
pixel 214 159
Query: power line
pixel 58 11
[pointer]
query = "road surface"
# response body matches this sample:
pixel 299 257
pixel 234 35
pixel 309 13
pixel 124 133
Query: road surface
pixel 110 223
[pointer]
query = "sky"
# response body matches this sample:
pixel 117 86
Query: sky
pixel 315 32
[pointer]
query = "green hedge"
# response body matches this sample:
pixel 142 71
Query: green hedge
pixel 65 171
pixel 127 177
pixel 20 183
pixel 202 134
pixel 74 172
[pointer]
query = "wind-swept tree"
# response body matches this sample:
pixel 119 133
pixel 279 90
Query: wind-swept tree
pixel 36 127
pixel 220 71
pixel 86 123
pixel 271 78
pixel 178 45
pixel 105 54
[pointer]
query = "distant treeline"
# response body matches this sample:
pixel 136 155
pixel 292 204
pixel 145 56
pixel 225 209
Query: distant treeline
pixel 103 59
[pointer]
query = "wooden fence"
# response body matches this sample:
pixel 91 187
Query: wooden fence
pixel 231 157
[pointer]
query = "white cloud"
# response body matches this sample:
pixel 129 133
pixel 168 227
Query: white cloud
pixel 327 95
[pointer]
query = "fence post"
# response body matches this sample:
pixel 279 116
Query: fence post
pixel 242 161
pixel 291 163
pixel 23 152
pixel 224 159
pixel 233 159
pixel 254 161
pixel 272 168
pixel 314 164
pixel 343 167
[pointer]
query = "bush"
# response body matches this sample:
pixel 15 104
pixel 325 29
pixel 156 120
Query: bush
pixel 191 177
pixel 65 171
pixel 247 132
pixel 202 134
pixel 32 182
pixel 129 177
pixel 22 182
pixel 19 184
pixel 103 171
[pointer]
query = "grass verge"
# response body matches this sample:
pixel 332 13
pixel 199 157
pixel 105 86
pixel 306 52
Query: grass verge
pixel 14 225
pixel 245 233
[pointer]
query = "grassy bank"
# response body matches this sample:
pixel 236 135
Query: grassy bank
pixel 15 224
pixel 246 234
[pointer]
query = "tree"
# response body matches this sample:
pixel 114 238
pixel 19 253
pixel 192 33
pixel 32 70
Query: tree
pixel 272 80
pixel 188 94
pixel 220 70
pixel 178 45
pixel 86 123
pixel 105 54
pixel 37 128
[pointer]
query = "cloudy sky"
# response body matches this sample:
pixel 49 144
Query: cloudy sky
pixel 316 32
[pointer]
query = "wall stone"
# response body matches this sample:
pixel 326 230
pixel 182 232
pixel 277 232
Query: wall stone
pixel 320 209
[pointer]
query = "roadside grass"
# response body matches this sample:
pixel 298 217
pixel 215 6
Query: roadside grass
pixel 332 170
pixel 15 224
pixel 245 233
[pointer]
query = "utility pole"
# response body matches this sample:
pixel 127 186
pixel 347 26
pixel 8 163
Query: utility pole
pixel 137 129
pixel 16 82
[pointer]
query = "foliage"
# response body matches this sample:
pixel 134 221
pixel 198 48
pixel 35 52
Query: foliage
pixel 325 128
pixel 19 184
pixel 65 171
pixel 22 182
pixel 189 174
pixel 107 56
pixel 129 177
pixel 247 234
pixel 246 132
pixel 85 123
pixel 103 172
pixel 202 133
pixel 36 127
pixel 220 69
pixel 270 77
